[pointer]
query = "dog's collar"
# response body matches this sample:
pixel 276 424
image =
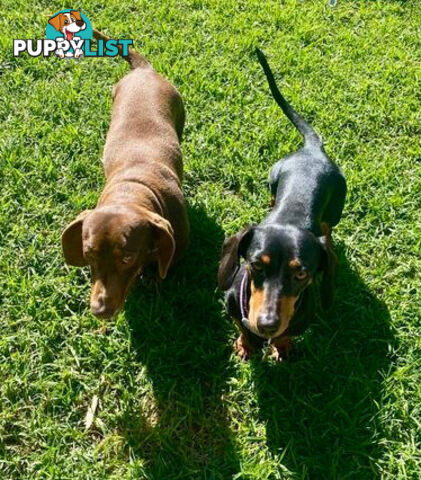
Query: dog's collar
pixel 245 299
pixel 244 303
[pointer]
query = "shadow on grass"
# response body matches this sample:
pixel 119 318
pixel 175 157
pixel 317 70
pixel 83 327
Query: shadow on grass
pixel 321 410
pixel 179 337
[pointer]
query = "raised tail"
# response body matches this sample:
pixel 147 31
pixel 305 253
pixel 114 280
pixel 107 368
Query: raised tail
pixel 309 134
pixel 135 59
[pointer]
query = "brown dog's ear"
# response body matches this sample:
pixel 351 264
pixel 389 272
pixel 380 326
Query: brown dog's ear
pixel 232 249
pixel 164 242
pixel 57 21
pixel 328 265
pixel 71 241
pixel 76 14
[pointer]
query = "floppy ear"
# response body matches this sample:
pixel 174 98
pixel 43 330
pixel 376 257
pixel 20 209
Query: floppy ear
pixel 232 249
pixel 76 14
pixel 71 241
pixel 328 265
pixel 57 21
pixel 164 242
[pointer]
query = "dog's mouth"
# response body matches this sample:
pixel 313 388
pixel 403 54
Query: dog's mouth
pixel 69 35
pixel 106 314
pixel 282 325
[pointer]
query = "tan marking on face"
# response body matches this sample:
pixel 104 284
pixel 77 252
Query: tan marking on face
pixel 265 259
pixel 287 310
pixel 294 263
pixel 257 300
pixel 326 229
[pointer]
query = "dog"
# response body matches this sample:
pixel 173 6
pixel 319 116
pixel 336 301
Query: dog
pixel 140 218
pixel 68 24
pixel 272 295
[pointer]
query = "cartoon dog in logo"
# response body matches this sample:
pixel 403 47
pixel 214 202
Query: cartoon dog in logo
pixel 68 24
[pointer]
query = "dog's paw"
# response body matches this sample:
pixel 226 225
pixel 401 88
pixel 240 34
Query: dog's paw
pixel 242 348
pixel 281 349
pixel 277 355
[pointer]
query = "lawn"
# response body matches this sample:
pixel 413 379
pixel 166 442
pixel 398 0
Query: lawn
pixel 173 400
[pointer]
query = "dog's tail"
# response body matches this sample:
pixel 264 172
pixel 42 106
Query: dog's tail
pixel 135 59
pixel 309 134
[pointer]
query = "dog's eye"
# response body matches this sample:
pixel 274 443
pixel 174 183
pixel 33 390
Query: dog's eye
pixel 73 19
pixel 66 22
pixel 257 266
pixel 301 275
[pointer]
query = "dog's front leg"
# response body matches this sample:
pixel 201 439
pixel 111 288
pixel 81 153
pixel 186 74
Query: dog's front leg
pixel 281 347
pixel 243 347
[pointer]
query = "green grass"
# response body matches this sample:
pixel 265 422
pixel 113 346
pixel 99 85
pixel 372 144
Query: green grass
pixel 174 402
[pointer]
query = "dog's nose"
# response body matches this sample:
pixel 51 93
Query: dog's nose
pixel 267 324
pixel 101 310
pixel 80 23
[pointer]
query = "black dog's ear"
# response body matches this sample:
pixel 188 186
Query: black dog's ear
pixel 232 249
pixel 328 264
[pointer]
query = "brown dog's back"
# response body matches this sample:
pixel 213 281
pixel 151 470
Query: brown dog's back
pixel 142 149
pixel 148 113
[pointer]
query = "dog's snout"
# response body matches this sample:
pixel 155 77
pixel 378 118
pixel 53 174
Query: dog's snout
pixel 80 23
pixel 100 308
pixel 267 324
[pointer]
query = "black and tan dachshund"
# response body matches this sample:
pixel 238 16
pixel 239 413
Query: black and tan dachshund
pixel 273 295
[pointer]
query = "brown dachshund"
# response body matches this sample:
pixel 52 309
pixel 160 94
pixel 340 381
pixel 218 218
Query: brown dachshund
pixel 140 217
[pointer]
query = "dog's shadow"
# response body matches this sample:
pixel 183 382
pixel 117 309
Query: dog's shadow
pixel 179 336
pixel 320 411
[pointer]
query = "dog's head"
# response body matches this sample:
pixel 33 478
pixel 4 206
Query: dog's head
pixel 117 243
pixel 282 262
pixel 68 23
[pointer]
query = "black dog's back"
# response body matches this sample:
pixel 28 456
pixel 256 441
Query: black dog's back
pixel 308 187
pixel 308 191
